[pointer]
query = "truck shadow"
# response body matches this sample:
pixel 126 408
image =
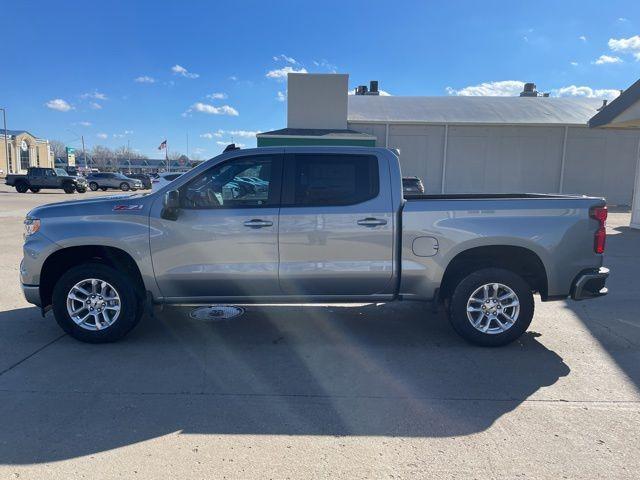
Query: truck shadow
pixel 383 370
pixel 613 320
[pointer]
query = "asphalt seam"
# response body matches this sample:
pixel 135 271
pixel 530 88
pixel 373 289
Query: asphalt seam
pixel 11 367
pixel 318 396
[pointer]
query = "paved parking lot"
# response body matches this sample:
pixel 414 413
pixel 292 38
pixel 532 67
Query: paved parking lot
pixel 374 391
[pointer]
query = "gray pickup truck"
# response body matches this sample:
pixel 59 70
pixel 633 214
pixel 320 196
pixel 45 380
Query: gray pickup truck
pixel 319 224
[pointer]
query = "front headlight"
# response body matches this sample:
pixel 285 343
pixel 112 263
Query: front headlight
pixel 31 226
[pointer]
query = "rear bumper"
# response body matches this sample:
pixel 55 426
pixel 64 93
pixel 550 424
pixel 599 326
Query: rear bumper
pixel 590 284
pixel 32 294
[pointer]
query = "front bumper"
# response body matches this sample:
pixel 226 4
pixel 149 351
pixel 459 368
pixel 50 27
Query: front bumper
pixel 590 284
pixel 32 294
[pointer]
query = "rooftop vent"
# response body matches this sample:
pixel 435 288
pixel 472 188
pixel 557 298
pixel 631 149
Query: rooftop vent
pixel 604 104
pixel 372 90
pixel 529 90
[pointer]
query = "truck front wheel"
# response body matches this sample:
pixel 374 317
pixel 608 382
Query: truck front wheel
pixel 93 186
pixel 95 303
pixel 34 189
pixel 22 187
pixel 69 188
pixel 491 307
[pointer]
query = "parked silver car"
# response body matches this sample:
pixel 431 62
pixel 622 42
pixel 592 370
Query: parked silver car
pixel 105 180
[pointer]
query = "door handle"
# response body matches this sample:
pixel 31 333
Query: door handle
pixel 372 222
pixel 257 223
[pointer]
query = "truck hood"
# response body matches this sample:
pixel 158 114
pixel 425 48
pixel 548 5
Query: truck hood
pixel 95 206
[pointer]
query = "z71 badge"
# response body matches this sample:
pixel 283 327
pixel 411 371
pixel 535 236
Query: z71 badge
pixel 120 208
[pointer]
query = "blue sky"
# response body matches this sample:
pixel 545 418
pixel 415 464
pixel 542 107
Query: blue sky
pixel 143 71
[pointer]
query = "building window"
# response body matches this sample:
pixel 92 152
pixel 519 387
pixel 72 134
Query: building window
pixel 24 159
pixel 10 163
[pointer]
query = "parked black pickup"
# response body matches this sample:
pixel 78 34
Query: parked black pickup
pixel 38 178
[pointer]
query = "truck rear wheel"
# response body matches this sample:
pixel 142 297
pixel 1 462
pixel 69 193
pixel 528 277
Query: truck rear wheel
pixel 95 303
pixel 491 307
pixel 124 186
pixel 22 187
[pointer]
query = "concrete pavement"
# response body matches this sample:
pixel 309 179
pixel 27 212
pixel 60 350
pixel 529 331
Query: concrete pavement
pixel 373 391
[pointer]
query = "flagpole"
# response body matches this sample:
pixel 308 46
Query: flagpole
pixel 166 155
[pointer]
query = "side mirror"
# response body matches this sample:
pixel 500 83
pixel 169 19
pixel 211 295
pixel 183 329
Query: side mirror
pixel 171 205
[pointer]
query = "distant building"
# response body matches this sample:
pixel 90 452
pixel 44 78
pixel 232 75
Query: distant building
pixel 25 150
pixel 457 144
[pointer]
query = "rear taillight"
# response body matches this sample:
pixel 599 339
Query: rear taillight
pixel 599 214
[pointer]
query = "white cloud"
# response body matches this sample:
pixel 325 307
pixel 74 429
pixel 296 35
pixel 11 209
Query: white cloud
pixel 584 91
pixel 326 65
pixel 622 19
pixel 217 96
pixel 96 95
pixel 574 64
pixel 233 78
pixel 102 135
pixel 180 70
pixel 83 124
pixel 224 144
pixel 583 38
pixel 211 110
pixel 242 133
pixel 281 73
pixel 59 105
pixel 512 88
pixel 95 106
pixel 284 58
pixel 233 133
pixel 144 79
pixel 504 88
pixel 281 96
pixel 604 59
pixel 629 45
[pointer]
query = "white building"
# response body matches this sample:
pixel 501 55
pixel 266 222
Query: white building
pixel 470 144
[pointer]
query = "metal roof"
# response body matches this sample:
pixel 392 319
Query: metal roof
pixel 473 110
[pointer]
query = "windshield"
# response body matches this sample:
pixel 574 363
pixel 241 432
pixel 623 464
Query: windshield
pixel 61 172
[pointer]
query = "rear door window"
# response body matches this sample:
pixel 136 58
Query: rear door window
pixel 330 179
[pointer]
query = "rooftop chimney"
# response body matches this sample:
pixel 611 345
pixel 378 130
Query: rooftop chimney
pixel 604 104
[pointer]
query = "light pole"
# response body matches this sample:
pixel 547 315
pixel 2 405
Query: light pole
pixel 6 142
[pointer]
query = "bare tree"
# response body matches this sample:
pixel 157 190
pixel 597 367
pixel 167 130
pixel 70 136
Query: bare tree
pixel 103 158
pixel 58 148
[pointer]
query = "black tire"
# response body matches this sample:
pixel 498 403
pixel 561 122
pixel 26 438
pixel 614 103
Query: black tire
pixel 124 186
pixel 469 284
pixel 104 189
pixel 81 190
pixel 34 190
pixel 69 188
pixel 21 187
pixel 130 303
pixel 93 186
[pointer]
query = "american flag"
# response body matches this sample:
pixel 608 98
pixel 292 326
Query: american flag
pixel 163 145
